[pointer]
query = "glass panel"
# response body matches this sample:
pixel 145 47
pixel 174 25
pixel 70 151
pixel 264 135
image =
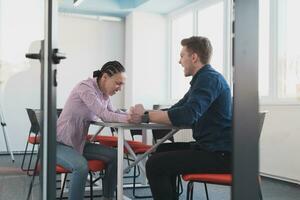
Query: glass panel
pixel 264 50
pixel 21 23
pixel 214 30
pixel 289 59
pixel 182 27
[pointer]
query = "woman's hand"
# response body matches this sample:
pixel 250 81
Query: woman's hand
pixel 135 114
pixel 138 109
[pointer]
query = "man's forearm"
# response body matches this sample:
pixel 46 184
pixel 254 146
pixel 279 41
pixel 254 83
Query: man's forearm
pixel 160 117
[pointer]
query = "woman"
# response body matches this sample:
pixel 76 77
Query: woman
pixel 87 101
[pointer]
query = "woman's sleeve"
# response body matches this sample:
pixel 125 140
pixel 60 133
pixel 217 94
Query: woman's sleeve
pixel 110 107
pixel 89 96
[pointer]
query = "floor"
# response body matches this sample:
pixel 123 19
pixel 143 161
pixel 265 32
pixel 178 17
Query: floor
pixel 14 185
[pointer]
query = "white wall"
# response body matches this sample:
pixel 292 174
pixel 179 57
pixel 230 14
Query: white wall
pixel 88 44
pixel 20 25
pixel 146 59
pixel 279 143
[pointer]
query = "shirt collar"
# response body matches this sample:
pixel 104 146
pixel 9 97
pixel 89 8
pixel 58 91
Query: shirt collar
pixel 201 70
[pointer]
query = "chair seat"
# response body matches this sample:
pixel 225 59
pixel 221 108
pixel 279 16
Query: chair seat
pixel 96 165
pixel 59 169
pixel 138 147
pixel 225 179
pixel 33 139
pixel 112 141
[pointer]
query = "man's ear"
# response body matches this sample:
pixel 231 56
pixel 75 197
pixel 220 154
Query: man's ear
pixel 195 57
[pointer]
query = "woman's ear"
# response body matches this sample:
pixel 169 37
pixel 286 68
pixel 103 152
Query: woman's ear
pixel 105 76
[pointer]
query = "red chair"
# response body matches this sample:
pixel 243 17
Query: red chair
pixel 217 179
pixel 94 166
pixel 33 137
pixel 137 147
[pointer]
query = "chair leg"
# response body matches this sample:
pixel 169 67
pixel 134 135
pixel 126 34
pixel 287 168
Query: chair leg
pixel 134 187
pixel 259 189
pixel 34 173
pixel 192 192
pixel 63 187
pixel 30 160
pixel 91 185
pixel 23 160
pixel 179 186
pixel 189 190
pixel 206 191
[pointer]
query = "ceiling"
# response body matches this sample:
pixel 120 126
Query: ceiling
pixel 121 8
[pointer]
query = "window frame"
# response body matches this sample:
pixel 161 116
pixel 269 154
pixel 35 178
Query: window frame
pixel 227 46
pixel 274 48
pixel 275 24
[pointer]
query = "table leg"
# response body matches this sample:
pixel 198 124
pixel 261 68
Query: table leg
pixel 120 164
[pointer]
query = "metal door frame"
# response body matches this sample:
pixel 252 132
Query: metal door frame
pixel 245 109
pixel 48 102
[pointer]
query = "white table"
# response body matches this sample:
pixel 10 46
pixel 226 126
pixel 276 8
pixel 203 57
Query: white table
pixel 121 143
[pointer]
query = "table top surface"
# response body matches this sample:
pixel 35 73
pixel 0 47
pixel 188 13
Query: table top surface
pixel 136 126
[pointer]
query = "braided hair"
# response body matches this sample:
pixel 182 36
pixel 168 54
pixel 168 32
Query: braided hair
pixel 111 68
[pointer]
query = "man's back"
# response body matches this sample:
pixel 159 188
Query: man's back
pixel 206 107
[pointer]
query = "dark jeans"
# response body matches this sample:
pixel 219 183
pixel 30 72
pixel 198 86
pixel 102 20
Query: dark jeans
pixel 173 159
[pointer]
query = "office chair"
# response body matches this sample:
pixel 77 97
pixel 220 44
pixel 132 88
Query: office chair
pixel 217 179
pixel 33 137
pixel 94 165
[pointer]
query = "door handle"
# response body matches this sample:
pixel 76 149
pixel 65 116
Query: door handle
pixel 57 56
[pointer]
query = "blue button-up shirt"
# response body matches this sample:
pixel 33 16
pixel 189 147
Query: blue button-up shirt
pixel 206 107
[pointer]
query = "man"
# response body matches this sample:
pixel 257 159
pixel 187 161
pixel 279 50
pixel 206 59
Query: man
pixel 206 108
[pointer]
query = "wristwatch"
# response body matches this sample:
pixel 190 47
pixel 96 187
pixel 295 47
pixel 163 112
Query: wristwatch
pixel 145 117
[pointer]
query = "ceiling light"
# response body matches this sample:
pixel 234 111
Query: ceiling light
pixel 77 2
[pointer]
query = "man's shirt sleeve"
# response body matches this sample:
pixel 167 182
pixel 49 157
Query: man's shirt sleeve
pixel 199 98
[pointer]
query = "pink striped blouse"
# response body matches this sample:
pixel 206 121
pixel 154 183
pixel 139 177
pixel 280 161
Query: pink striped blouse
pixel 85 103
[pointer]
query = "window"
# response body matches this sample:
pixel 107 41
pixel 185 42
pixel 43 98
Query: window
pixel 279 51
pixel 289 57
pixel 214 30
pixel 264 48
pixel 195 21
pixel 182 27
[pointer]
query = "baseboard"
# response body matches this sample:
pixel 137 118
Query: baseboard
pixel 285 179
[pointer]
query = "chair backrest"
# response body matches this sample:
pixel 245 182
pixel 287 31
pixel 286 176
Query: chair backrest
pixel 35 119
pixel 261 117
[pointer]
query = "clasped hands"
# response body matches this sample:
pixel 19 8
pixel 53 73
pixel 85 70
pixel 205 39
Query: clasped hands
pixel 135 114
